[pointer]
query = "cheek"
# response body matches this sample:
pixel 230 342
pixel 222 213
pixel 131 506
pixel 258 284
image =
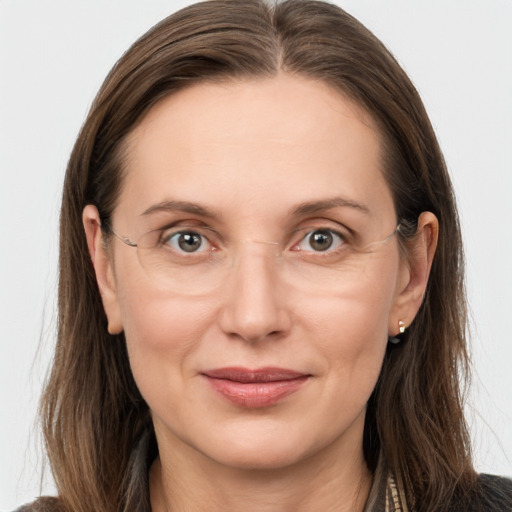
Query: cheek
pixel 353 336
pixel 161 333
pixel 357 313
pixel 350 329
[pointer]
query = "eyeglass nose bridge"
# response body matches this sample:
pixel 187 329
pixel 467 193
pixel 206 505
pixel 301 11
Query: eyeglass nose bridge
pixel 247 241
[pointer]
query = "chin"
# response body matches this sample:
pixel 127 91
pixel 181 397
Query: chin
pixel 258 458
pixel 264 449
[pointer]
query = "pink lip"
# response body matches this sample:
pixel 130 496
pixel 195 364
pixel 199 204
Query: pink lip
pixel 257 388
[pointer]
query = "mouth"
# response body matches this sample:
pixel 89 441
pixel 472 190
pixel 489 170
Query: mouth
pixel 256 388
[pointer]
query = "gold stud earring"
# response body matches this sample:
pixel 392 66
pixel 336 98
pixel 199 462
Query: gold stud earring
pixel 395 340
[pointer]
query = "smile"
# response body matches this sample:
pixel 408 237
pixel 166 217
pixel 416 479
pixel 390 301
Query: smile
pixel 254 389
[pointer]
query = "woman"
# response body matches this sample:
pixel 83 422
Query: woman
pixel 261 293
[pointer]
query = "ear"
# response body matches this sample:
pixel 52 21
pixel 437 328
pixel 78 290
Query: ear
pixel 102 263
pixel 414 273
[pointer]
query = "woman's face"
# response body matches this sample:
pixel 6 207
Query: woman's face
pixel 257 309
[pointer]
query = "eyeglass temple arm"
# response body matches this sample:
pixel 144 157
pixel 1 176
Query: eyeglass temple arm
pixel 124 239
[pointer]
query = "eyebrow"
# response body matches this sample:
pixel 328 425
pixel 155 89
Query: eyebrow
pixel 311 207
pixel 181 206
pixel 306 208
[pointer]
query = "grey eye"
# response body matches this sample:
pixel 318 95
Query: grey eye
pixel 187 241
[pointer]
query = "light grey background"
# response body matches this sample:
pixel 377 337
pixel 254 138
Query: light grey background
pixel 54 55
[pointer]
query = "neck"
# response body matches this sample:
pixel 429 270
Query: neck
pixel 325 481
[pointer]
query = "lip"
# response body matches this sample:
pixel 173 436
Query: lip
pixel 254 388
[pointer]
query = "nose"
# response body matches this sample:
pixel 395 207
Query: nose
pixel 254 307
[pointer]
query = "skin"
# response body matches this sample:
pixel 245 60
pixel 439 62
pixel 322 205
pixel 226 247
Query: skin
pixel 252 152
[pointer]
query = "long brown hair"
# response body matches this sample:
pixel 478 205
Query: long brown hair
pixel 92 411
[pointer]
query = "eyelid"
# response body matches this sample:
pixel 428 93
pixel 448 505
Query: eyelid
pixel 326 224
pixel 187 225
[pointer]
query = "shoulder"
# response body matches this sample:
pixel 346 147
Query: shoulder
pixel 44 504
pixel 490 494
pixel 494 493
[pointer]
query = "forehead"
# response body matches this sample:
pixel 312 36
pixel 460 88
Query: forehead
pixel 271 143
